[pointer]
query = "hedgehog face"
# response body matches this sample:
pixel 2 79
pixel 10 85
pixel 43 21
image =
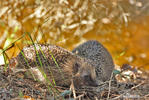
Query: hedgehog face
pixel 85 75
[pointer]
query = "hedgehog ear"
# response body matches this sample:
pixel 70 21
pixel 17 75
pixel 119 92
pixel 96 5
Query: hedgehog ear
pixel 76 67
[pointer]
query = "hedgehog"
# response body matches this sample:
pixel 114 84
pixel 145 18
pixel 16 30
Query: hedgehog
pixel 99 55
pixel 55 64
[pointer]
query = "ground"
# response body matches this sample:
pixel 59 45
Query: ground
pixel 15 86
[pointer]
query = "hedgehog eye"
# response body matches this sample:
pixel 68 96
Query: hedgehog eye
pixel 88 78
pixel 76 68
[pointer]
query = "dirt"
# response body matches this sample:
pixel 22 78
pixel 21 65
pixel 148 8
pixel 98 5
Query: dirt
pixel 15 86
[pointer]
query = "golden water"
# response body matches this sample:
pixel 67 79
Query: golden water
pixel 129 45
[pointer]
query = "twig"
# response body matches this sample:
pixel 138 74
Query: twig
pixel 73 89
pixel 79 97
pixel 109 86
pixel 147 95
pixel 128 90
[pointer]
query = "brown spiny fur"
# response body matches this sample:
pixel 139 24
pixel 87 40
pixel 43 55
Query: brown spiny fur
pixel 66 66
pixel 99 55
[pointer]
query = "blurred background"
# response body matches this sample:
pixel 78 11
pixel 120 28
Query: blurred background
pixel 122 26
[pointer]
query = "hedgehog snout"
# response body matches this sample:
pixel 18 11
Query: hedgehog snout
pixel 87 76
